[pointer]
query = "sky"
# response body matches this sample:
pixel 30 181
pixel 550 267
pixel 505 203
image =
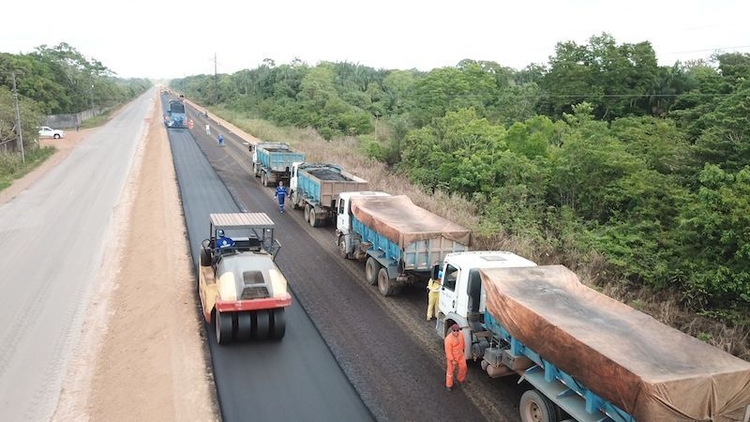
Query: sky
pixel 173 39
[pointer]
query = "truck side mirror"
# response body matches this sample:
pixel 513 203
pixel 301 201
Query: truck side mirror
pixel 435 271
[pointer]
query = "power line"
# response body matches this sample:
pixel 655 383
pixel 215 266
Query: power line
pixel 707 49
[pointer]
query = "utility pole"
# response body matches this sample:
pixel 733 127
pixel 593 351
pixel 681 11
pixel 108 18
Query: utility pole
pixel 216 80
pixel 19 130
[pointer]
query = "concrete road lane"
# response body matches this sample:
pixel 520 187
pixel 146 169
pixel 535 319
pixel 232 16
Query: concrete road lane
pixel 54 237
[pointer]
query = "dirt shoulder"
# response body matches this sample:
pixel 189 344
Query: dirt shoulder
pixel 141 355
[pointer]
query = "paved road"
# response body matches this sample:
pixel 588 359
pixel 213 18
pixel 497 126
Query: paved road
pixel 389 353
pixel 297 378
pixel 54 237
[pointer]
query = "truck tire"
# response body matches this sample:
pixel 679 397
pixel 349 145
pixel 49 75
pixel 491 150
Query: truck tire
pixel 313 218
pixel 263 178
pixel 255 169
pixel 223 325
pixel 372 266
pixel 536 407
pixel 278 324
pixel 306 212
pixel 342 248
pixel 386 285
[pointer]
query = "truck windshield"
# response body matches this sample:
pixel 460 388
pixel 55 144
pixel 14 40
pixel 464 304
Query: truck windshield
pixel 176 107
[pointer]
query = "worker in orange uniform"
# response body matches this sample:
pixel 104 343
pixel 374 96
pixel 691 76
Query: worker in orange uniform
pixel 433 287
pixel 454 356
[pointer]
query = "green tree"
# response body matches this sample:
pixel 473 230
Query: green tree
pixel 588 167
pixel 714 235
pixel 397 87
pixel 457 153
pixel 726 139
pixel 615 79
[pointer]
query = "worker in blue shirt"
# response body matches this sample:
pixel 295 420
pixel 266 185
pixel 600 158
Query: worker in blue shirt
pixel 281 194
pixel 223 241
pixel 221 140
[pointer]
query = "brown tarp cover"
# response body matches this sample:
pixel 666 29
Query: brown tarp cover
pixel 650 370
pixel 403 222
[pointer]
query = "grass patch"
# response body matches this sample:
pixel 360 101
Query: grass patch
pixel 262 129
pixel 13 168
pixel 97 121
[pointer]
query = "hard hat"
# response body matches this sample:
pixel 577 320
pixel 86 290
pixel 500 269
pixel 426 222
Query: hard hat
pixel 220 233
pixel 455 327
pixel 440 274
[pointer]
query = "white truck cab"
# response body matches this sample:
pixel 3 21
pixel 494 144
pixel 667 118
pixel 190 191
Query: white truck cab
pixel 462 299
pixel 343 209
pixel 293 180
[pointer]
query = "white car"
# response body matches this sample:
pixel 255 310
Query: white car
pixel 48 132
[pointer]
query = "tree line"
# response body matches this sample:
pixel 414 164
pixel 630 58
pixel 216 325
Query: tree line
pixel 600 152
pixel 57 80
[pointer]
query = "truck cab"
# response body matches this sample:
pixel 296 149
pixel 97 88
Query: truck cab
pixel 294 182
pixel 462 300
pixel 344 210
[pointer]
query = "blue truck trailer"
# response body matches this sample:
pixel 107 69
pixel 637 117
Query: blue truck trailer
pixel 582 355
pixel 273 161
pixel 315 187
pixel 400 241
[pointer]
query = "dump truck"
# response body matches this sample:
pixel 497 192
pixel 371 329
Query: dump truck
pixel 242 291
pixel 581 354
pixel 315 188
pixel 272 162
pixel 175 117
pixel 400 241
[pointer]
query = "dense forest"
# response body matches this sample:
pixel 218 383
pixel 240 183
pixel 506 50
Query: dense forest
pixel 56 80
pixel 599 154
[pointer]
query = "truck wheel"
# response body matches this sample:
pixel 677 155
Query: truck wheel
pixel 385 284
pixel 263 179
pixel 262 324
pixel 342 248
pixel 535 407
pixel 205 257
pixel 244 326
pixel 255 169
pixel 313 219
pixel 307 212
pixel 372 266
pixel 295 200
pixel 223 327
pixel 278 324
